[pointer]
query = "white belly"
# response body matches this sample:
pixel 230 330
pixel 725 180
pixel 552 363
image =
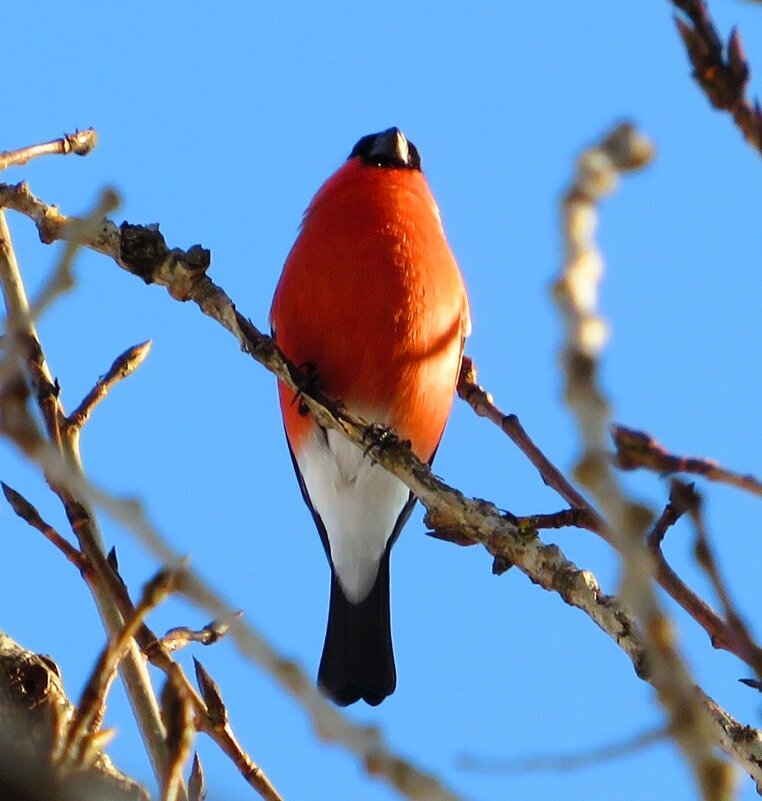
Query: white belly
pixel 359 503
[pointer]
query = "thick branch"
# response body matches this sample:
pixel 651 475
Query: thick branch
pixel 34 712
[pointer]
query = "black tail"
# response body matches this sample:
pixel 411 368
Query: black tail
pixel 358 660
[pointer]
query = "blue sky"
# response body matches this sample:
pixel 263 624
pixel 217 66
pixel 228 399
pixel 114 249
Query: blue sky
pixel 220 121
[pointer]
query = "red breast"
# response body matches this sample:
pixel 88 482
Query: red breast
pixel 372 295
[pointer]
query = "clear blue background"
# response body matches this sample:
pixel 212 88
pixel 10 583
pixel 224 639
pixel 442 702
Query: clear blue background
pixel 220 121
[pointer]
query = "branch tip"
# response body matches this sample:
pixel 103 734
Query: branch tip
pixel 80 143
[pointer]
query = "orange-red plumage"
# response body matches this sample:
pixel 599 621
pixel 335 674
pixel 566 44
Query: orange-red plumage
pixel 372 296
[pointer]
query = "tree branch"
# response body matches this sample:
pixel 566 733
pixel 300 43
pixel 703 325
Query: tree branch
pixel 636 449
pixel 483 404
pixel 723 78
pixel 562 763
pixel 142 251
pixel 22 347
pixel 80 142
pixel 123 365
pixel 27 512
pixel 583 514
pixel 34 710
pixel 576 293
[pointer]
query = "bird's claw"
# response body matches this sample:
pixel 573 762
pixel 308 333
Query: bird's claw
pixel 378 435
pixel 308 384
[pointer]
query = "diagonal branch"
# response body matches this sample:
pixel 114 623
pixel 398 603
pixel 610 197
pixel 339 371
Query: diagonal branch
pixel 583 515
pixel 483 404
pixel 720 630
pixel 142 251
pixel 636 449
pixel 722 72
pixel 87 715
pixel 737 630
pixel 23 352
pixel 26 511
pixel 123 366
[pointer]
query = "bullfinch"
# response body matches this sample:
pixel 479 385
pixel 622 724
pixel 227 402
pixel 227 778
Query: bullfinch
pixel 371 298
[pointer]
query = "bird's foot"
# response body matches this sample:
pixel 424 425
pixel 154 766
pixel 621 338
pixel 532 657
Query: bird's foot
pixel 308 383
pixel 378 435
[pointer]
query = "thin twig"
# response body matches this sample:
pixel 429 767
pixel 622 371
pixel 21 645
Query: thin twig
pixel 123 365
pixel 738 631
pixel 92 700
pixel 26 511
pixel 177 714
pixel 721 71
pixel 217 726
pixel 563 763
pixel 483 404
pixel 23 353
pixel 718 629
pixel 208 719
pixel 81 143
pixel 583 515
pixel 636 449
pixel 181 636
pixel 671 513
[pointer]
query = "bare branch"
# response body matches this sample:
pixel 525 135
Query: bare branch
pixel 81 143
pixel 722 73
pixel 584 515
pixel 562 763
pixel 737 630
pixel 483 404
pixel 182 273
pixel 636 449
pixel 670 515
pixel 217 726
pixel 60 455
pixel 718 629
pixel 177 714
pixel 210 713
pixel 576 294
pixel 181 636
pixel 86 719
pixel 27 512
pixel 124 365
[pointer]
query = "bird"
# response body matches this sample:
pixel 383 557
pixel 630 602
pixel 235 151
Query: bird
pixel 372 301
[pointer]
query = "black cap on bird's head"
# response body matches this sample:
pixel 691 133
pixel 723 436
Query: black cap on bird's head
pixel 390 148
